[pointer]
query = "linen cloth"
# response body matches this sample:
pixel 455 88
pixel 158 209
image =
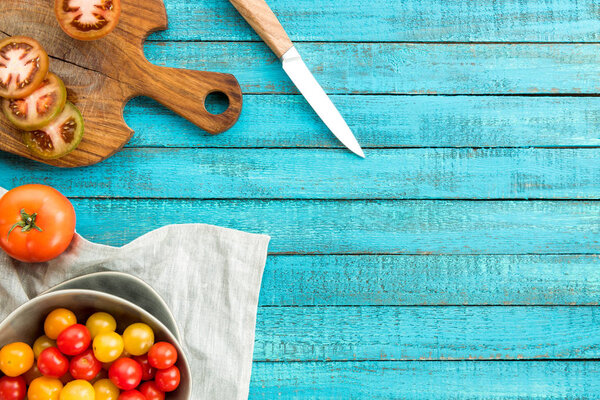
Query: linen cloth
pixel 209 276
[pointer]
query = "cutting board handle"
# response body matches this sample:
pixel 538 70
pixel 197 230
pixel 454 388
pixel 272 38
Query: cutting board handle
pixel 184 92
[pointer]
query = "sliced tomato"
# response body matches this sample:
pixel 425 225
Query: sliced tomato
pixel 23 66
pixel 59 137
pixel 87 19
pixel 40 107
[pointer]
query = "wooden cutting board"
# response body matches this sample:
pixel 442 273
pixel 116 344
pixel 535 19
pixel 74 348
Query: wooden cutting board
pixel 101 76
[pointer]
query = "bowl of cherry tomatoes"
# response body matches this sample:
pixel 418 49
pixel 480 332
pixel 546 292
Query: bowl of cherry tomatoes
pixel 80 344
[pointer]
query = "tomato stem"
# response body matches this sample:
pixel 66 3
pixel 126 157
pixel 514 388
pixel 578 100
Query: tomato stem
pixel 26 223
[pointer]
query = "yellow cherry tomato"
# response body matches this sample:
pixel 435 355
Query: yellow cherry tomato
pixel 106 390
pixel 108 346
pixel 57 321
pixel 100 322
pixel 78 390
pixel 43 388
pixel 16 359
pixel 138 339
pixel 41 344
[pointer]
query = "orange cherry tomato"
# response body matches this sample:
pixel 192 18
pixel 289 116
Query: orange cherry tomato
pixel 44 388
pixel 16 359
pixel 57 321
pixel 37 223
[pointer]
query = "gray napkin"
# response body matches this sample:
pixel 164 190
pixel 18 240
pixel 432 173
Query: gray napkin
pixel 209 276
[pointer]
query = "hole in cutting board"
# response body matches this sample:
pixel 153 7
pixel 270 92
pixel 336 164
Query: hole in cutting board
pixel 216 103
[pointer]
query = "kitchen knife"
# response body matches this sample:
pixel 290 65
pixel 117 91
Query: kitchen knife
pixel 260 16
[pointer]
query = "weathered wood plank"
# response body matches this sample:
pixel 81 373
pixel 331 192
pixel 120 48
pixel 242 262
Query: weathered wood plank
pixel 426 380
pixel 374 226
pixel 341 280
pixel 384 121
pixel 399 68
pixel 426 333
pixel 382 20
pixel 328 174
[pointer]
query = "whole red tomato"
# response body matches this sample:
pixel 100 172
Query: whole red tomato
pixel 74 340
pixel 162 355
pixel 147 370
pixel 151 391
pixel 168 379
pixel 131 395
pixel 12 388
pixel 85 366
pixel 52 363
pixel 37 223
pixel 125 373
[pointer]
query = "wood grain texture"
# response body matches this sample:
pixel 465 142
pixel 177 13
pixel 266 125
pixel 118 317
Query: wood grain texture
pixel 370 226
pixel 461 380
pixel 400 68
pixel 101 76
pixel 395 21
pixel 426 333
pixel 330 174
pixel 261 18
pixel 384 121
pixel 378 280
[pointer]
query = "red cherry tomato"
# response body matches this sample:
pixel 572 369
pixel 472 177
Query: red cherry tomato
pixel 125 373
pixel 74 340
pixel 85 366
pixel 52 363
pixel 151 391
pixel 131 395
pixel 162 355
pixel 12 388
pixel 168 379
pixel 147 371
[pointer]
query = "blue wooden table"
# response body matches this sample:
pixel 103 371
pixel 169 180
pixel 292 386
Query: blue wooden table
pixel 459 260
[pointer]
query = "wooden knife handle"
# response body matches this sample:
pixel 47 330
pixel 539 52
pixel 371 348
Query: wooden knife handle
pixel 261 18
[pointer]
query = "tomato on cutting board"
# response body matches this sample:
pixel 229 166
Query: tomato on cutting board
pixel 87 19
pixel 23 66
pixel 37 223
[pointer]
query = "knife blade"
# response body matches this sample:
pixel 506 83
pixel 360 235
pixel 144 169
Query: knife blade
pixel 262 19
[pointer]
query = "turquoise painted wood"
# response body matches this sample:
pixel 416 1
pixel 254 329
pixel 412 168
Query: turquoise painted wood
pixel 398 21
pixel 408 280
pixel 400 68
pixel 460 260
pixel 331 174
pixel 364 226
pixel 452 380
pixel 384 121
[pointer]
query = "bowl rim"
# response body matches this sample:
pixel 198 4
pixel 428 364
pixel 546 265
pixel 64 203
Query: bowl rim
pixel 155 320
pixel 146 285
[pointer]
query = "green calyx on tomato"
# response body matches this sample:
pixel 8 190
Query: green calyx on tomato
pixel 26 223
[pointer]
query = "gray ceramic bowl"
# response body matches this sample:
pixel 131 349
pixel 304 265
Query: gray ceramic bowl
pixel 127 287
pixel 25 324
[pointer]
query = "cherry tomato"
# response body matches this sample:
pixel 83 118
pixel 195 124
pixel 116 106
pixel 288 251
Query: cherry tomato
pixel 125 373
pixel 147 370
pixel 151 391
pixel 100 322
pixel 168 379
pixel 78 390
pixel 87 19
pixel 57 321
pixel 162 355
pixel 52 363
pixel 41 344
pixel 108 346
pixel 16 359
pixel 74 340
pixel 44 388
pixel 106 390
pixel 41 222
pixel 85 366
pixel 138 339
pixel 24 67
pixel 131 395
pixel 34 372
pixel 13 388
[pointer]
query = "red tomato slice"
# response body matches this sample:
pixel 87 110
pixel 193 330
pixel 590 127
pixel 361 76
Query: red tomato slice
pixel 87 19
pixel 23 66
